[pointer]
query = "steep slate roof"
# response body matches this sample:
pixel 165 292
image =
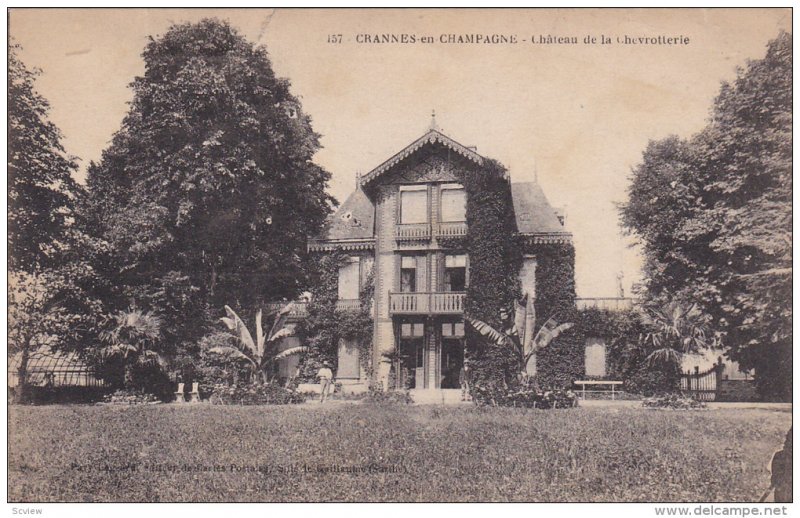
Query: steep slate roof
pixel 355 219
pixel 534 213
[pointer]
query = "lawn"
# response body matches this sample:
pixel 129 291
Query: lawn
pixel 388 453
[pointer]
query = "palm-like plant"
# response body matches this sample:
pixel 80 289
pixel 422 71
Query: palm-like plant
pixel 675 329
pixel 518 334
pixel 262 352
pixel 133 338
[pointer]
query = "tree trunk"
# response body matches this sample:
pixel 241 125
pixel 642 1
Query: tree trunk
pixel 22 376
pixel 213 283
pixel 128 379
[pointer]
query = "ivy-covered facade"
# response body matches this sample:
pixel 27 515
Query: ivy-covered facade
pixel 435 231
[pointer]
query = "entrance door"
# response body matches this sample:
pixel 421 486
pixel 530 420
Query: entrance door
pixel 452 360
pixel 451 357
pixel 409 363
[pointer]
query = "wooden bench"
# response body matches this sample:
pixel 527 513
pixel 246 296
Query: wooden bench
pixel 583 384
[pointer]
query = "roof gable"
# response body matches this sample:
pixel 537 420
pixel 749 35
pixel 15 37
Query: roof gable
pixel 433 136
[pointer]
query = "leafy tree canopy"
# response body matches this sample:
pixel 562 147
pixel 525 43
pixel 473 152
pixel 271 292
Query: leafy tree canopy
pixel 713 215
pixel 41 190
pixel 207 192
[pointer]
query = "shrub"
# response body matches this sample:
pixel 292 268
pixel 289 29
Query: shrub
pixel 130 397
pixel 651 381
pixel 673 401
pixel 524 396
pixel 152 379
pixel 65 395
pixel 213 369
pixel 377 395
pixel 255 394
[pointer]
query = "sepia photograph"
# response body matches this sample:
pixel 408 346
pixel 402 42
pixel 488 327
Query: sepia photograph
pixel 400 255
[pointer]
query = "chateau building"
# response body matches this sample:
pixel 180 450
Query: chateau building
pixel 405 223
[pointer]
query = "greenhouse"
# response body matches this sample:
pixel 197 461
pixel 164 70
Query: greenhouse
pixel 53 368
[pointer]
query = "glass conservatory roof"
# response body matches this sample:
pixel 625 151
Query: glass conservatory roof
pixel 63 368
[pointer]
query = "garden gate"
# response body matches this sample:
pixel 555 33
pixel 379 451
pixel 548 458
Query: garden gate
pixel 702 386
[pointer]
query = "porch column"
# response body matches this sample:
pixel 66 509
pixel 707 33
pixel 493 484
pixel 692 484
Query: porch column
pixel 432 354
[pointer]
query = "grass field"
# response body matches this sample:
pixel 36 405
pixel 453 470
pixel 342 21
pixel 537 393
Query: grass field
pixel 369 453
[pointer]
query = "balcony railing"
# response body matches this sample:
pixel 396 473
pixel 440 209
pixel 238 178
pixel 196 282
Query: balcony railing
pixel 413 232
pixel 608 303
pixel 348 304
pixel 452 230
pixel 300 309
pixel 439 303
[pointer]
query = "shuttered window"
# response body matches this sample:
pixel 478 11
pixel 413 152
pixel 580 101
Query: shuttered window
pixel 454 204
pixel 348 366
pixel 595 357
pixel 348 279
pixel 414 206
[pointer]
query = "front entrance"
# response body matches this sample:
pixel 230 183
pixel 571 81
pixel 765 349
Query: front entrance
pixel 409 364
pixel 452 360
pixel 429 354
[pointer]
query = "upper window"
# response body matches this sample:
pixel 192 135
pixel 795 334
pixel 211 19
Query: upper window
pixel 454 203
pixel 414 204
pixel 348 279
pixel 455 273
pixel 408 274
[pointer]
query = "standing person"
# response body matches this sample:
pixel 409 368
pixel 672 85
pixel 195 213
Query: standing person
pixel 463 380
pixel 325 376
pixel 781 468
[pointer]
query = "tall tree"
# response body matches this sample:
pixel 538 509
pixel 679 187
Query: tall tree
pixel 48 276
pixel 207 193
pixel 41 189
pixel 713 214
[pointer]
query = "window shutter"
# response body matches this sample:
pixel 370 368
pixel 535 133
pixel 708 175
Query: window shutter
pixel 454 203
pixel 413 206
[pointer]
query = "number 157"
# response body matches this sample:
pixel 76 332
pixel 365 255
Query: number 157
pixel 334 38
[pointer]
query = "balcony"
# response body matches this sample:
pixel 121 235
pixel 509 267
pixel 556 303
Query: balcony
pixel 439 303
pixel 348 304
pixel 413 232
pixel 453 230
pixel 299 310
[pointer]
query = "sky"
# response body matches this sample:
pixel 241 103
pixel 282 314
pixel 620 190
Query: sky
pixel 575 117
